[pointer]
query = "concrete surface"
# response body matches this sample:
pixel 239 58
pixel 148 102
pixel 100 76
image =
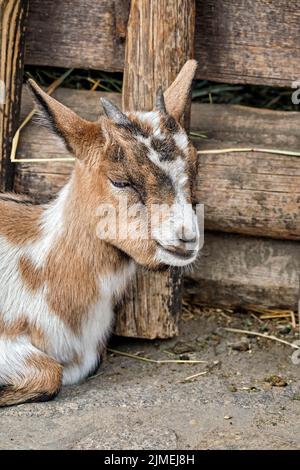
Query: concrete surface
pixel 131 404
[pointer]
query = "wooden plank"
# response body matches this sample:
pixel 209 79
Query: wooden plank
pixel 237 270
pixel 237 41
pixel 244 41
pixel 166 46
pixel 12 28
pixel 249 193
pixel 156 50
pixel 73 33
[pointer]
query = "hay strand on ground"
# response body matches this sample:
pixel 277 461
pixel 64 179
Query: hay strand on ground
pixel 156 361
pixel 262 335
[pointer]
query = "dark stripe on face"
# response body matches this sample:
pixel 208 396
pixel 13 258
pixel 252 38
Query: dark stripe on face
pixel 145 176
pixel 134 128
pixel 17 201
pixel 158 183
pixel 170 124
pixel 166 148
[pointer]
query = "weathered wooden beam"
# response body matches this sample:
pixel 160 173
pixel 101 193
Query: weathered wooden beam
pixel 236 270
pixel 12 27
pixel 73 33
pixel 250 193
pixel 160 38
pixel 236 40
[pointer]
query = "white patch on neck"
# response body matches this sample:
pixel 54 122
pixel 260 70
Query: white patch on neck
pixel 99 322
pixel 17 301
pixel 52 225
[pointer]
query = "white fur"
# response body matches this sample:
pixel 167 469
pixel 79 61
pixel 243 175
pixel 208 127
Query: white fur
pixel 98 324
pixel 152 118
pixel 17 301
pixel 13 355
pixel 181 141
pixel 52 225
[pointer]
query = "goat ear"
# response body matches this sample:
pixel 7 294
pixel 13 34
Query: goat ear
pixel 60 119
pixel 177 95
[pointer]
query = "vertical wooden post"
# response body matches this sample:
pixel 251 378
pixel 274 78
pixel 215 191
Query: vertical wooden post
pixel 13 15
pixel 160 38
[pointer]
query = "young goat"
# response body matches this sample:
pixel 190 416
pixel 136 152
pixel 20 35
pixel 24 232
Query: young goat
pixel 59 278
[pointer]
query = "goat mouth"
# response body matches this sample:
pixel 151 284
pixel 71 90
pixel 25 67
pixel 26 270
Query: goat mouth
pixel 178 252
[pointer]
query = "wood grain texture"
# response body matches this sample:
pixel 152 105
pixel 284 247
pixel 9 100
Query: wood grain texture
pixel 238 270
pixel 239 41
pixel 248 41
pixel 12 28
pixel 73 33
pixel 247 193
pixel 151 306
pixel 160 39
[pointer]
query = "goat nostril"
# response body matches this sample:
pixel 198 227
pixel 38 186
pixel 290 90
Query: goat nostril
pixel 187 239
pixel 186 235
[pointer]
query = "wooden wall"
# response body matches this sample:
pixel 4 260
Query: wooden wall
pixel 239 41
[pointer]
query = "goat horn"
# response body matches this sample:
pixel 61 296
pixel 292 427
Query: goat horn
pixel 160 101
pixel 113 112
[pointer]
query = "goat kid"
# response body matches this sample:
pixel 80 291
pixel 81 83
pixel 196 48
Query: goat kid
pixel 59 279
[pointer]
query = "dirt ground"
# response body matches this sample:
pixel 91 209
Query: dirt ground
pixel 247 398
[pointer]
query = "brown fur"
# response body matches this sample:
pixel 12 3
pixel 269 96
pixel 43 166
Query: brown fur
pixel 72 268
pixel 73 285
pixel 19 223
pixel 43 386
pixel 31 276
pixel 21 326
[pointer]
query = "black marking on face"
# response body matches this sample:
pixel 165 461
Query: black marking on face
pixel 163 181
pixel 139 186
pixel 134 128
pixel 166 148
pixel 141 153
pixel 147 178
pixel 18 201
pixel 170 124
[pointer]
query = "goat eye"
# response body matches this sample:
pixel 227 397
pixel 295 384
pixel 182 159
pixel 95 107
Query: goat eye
pixel 120 184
